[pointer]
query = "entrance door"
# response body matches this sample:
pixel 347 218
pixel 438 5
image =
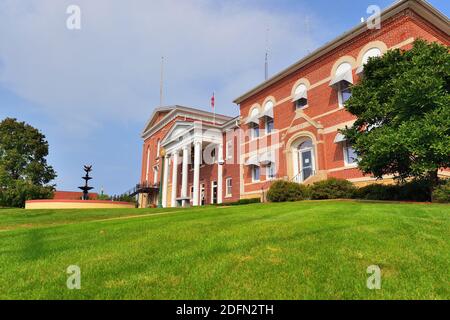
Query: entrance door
pixel 214 192
pixel 305 161
pixel 306 164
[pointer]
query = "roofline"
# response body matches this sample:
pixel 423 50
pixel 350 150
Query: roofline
pixel 173 109
pixel 419 6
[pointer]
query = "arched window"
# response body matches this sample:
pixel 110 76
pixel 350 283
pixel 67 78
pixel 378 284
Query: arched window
pixel 158 147
pixel 301 96
pixel 268 116
pixel 269 105
pixel 371 53
pixel 253 123
pixel 305 145
pixel 304 160
pixel 342 81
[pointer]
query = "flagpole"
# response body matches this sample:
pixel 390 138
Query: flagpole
pixel 214 106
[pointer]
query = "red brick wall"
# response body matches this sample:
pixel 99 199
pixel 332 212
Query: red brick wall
pixel 72 195
pixel 322 98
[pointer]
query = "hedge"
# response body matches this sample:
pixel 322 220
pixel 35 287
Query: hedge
pixel 284 191
pixel 332 189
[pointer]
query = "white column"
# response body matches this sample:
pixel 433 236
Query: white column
pixel 197 155
pixel 220 175
pixel 165 181
pixel 184 182
pixel 174 180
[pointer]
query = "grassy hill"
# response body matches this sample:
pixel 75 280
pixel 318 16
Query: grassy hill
pixel 308 250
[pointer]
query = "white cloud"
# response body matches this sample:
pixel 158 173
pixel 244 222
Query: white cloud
pixel 109 70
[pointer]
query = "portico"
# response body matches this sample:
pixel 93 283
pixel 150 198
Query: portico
pixel 191 147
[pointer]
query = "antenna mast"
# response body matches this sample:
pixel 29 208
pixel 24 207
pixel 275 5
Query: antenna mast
pixel 161 84
pixel 266 69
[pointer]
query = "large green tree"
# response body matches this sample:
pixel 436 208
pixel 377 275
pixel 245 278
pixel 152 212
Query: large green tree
pixel 24 172
pixel 402 105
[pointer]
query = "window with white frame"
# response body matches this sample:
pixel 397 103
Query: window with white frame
pixel 350 156
pixel 342 81
pixel 270 171
pixel 158 147
pixel 344 92
pixel 155 175
pixel 147 169
pixel 254 124
pixel 300 96
pixel 229 150
pixel 255 131
pixel 371 53
pixel 268 115
pixel 269 125
pixel 229 187
pixel 256 174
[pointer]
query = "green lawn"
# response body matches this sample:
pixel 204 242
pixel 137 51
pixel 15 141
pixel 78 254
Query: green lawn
pixel 308 250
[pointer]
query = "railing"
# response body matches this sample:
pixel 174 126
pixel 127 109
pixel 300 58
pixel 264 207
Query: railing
pixel 299 177
pixel 141 188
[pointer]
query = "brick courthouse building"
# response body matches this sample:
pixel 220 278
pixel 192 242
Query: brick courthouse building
pixel 288 125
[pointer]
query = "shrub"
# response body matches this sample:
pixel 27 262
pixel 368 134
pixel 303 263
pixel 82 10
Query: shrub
pixel 377 192
pixel 240 202
pixel 416 190
pixel 248 201
pixel 332 189
pixel 442 193
pixel 284 191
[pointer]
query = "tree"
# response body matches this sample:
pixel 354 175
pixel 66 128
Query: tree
pixel 402 105
pixel 24 172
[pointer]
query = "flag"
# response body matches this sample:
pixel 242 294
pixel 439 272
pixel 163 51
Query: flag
pixel 213 100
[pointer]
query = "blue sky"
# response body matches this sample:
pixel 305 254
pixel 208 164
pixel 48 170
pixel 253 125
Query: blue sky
pixel 91 91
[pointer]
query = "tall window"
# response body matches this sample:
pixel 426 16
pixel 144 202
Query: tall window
pixel 344 92
pixel 268 116
pixel 229 150
pixel 342 81
pixel 371 53
pixel 255 174
pixel 270 171
pixel 158 148
pixel 269 125
pixel 155 175
pixel 300 96
pixel 147 169
pixel 229 186
pixel 350 156
pixel 255 131
pixel 254 124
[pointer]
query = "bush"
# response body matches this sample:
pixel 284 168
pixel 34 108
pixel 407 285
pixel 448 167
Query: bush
pixel 442 193
pixel 332 189
pixel 240 202
pixel 284 191
pixel 377 192
pixel 248 201
pixel 416 190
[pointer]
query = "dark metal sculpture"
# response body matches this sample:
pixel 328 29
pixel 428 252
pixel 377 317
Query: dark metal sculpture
pixel 86 178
